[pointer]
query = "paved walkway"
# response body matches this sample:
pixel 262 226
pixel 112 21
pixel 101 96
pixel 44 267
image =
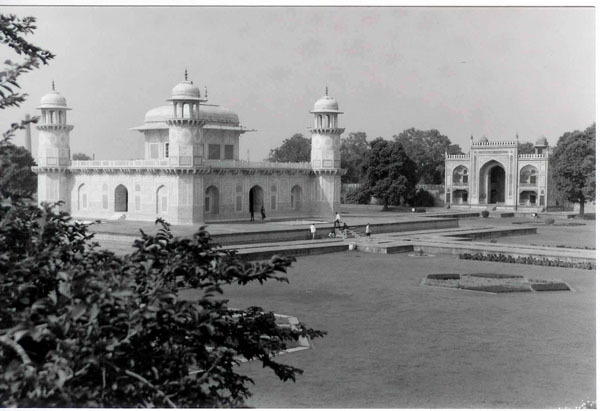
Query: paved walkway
pixel 447 240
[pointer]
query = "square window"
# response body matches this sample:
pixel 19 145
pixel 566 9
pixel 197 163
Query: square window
pixel 533 180
pixel 214 151
pixel 228 152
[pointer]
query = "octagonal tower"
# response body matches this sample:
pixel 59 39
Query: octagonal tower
pixel 54 150
pixel 325 155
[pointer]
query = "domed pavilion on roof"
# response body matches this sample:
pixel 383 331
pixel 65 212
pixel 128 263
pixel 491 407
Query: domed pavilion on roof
pixel 190 171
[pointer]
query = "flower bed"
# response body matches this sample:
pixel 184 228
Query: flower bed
pixel 503 258
pixel 493 283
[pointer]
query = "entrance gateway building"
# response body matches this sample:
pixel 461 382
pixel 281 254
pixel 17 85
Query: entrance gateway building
pixel 494 173
pixel 191 172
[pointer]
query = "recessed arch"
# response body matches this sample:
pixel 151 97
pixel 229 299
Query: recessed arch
pixel 82 197
pixel 211 200
pixel 162 200
pixel 256 198
pixel 121 198
pixel 492 183
pixel 296 198
pixel 460 175
pixel 528 175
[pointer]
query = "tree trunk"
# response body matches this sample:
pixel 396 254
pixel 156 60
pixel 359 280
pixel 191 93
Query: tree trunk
pixel 581 206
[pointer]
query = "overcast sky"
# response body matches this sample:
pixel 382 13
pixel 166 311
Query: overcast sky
pixel 463 71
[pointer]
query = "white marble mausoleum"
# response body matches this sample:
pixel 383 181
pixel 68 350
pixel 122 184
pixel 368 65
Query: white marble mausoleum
pixel 190 171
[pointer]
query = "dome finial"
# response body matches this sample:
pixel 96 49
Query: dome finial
pixel 517 136
pixel 326 90
pixel 53 86
pixel 185 74
pixel 205 92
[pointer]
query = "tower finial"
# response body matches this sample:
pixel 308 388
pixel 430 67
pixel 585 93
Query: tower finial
pixel 53 86
pixel 185 74
pixel 205 92
pixel 326 90
pixel 517 136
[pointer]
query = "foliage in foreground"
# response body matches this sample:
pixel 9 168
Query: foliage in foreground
pixel 503 258
pixel 82 327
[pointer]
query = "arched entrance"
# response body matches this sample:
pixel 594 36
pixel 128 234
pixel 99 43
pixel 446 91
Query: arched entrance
pixel 162 200
pixel 121 198
pixel 255 199
pixel 296 198
pixel 211 200
pixel 492 183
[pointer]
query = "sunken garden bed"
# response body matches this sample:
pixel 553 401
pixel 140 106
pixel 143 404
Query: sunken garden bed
pixel 493 283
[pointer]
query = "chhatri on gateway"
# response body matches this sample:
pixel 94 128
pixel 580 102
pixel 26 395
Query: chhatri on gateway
pixel 191 171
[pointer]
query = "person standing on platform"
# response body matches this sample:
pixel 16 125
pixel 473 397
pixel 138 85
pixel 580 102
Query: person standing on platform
pixel 368 231
pixel 262 212
pixel 338 220
pixel 313 230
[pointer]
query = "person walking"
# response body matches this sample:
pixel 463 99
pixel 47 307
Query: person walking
pixel 313 231
pixel 368 231
pixel 345 231
pixel 262 212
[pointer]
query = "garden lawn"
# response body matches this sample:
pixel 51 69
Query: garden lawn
pixel 393 343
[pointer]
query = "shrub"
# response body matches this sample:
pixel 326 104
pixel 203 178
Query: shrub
pixel 494 275
pixel 443 276
pixel 502 258
pixel 548 221
pixel 83 327
pixel 423 198
pixel 485 213
pixel 550 286
pixel 358 196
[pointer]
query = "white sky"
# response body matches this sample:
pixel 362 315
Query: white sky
pixel 463 71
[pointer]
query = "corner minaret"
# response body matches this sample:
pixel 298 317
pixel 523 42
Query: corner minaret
pixel 54 150
pixel 325 154
pixel 185 148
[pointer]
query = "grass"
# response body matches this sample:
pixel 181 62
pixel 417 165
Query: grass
pixel 394 344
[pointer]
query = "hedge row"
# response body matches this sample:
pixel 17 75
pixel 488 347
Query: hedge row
pixel 502 258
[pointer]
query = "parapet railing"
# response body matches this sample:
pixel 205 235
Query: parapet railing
pixel 495 143
pixel 165 163
pixel 457 157
pixel 533 155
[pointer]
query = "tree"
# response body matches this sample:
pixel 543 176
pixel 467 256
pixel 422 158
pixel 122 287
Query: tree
pixel 81 157
pixel 12 32
pixel 16 176
pixel 80 326
pixel 86 328
pixel 573 165
pixel 427 149
pixel 526 148
pixel 389 173
pixel 295 149
pixel 353 151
